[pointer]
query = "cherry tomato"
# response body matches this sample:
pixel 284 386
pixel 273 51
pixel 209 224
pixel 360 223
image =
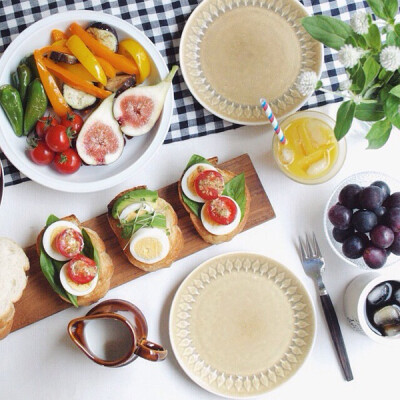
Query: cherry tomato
pixel 81 269
pixel 67 162
pixel 209 184
pixel 69 242
pixel 73 121
pixel 44 124
pixel 40 153
pixel 57 138
pixel 222 210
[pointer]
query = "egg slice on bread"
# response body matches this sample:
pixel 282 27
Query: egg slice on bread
pixel 146 227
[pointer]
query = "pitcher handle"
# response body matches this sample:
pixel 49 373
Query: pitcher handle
pixel 151 351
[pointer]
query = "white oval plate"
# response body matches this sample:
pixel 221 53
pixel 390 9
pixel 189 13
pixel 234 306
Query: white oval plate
pixel 137 151
pixel 241 324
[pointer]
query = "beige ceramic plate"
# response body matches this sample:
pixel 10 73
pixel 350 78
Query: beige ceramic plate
pixel 241 324
pixel 233 52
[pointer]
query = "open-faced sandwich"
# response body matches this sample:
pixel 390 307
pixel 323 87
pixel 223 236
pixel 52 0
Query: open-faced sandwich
pixel 217 200
pixel 74 260
pixel 146 227
pixel 13 266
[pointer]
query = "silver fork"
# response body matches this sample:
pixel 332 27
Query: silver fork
pixel 314 264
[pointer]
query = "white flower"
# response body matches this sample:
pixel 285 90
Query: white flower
pixel 345 85
pixel 390 58
pixel 359 22
pixel 306 82
pixel 349 55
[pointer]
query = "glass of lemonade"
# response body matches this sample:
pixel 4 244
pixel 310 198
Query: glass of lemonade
pixel 312 154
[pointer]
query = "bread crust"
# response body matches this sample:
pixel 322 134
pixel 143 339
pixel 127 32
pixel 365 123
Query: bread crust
pixel 175 237
pixel 203 232
pixel 106 267
pixel 6 323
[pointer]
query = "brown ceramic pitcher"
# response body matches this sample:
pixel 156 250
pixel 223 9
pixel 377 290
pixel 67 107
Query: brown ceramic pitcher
pixel 132 326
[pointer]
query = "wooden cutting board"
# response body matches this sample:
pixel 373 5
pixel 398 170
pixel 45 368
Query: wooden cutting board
pixel 39 301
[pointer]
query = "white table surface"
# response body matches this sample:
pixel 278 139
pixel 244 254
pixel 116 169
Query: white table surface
pixel 41 362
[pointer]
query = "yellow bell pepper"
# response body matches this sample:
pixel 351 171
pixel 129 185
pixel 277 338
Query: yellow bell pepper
pixel 86 58
pixel 131 48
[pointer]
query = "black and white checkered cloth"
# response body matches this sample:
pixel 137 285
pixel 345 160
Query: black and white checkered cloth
pixel 163 22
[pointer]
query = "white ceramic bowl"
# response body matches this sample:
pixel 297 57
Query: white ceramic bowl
pixel 364 178
pixel 137 151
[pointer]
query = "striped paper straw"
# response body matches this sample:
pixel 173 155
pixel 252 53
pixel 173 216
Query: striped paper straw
pixel 268 112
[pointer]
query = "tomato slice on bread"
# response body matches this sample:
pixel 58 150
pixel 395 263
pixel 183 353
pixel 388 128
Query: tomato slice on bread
pixel 81 269
pixel 209 184
pixel 221 210
pixel 69 242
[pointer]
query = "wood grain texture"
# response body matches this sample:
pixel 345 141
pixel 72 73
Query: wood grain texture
pixel 39 301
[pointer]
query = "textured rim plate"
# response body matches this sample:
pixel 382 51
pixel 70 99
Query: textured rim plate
pixel 136 152
pixel 233 52
pixel 241 324
pixel 364 178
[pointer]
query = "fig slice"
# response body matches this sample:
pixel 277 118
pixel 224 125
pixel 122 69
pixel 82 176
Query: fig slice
pixel 137 109
pixel 100 140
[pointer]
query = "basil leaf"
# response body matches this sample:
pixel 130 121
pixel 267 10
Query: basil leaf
pixel 391 108
pixel 196 159
pixel 344 119
pixel 379 134
pixel 330 31
pixel 88 249
pixel 371 69
pixel 369 111
pixel 51 218
pixel 235 188
pixel 373 37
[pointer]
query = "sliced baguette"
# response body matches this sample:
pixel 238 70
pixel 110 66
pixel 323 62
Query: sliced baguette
pixel 13 266
pixel 175 237
pixel 203 232
pixel 106 267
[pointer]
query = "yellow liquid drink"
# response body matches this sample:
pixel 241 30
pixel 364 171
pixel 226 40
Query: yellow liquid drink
pixel 311 154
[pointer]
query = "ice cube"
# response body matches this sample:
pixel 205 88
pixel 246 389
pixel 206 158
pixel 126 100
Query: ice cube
pixel 319 132
pixel 318 167
pixel 287 156
pixel 388 316
pixel 380 293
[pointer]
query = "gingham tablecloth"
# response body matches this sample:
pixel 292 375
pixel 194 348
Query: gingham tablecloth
pixel 163 24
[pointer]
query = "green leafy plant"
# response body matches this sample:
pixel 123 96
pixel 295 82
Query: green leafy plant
pixel 370 52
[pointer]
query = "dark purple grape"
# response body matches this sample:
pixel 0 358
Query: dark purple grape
pixel 395 247
pixel 353 247
pixel 375 257
pixel 340 235
pixel 384 187
pixel 340 216
pixel 348 196
pixel 393 200
pixel 380 211
pixel 371 197
pixel 364 221
pixel 382 236
pixel 393 219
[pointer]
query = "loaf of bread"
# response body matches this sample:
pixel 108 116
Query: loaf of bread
pixel 13 266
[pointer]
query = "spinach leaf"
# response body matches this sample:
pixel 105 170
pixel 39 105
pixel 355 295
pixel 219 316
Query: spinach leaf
pixel 88 249
pixel 51 218
pixel 235 188
pixel 196 159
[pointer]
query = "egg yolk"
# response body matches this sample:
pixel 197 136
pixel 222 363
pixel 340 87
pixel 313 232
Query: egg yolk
pixel 148 248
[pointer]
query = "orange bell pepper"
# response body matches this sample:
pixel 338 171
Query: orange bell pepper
pixel 79 70
pixel 118 61
pixel 74 80
pixel 86 58
pixel 56 98
pixel 108 69
pixel 56 35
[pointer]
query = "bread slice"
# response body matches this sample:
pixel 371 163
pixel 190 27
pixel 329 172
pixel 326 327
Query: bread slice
pixel 203 232
pixel 175 237
pixel 106 267
pixel 13 266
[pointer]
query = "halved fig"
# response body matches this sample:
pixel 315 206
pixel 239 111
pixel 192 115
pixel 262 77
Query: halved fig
pixel 58 56
pixel 100 140
pixel 120 83
pixel 138 108
pixel 105 34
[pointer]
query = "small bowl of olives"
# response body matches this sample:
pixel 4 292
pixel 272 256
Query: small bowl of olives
pixel 362 220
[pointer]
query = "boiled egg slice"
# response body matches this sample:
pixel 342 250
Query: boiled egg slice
pixel 187 182
pixel 218 229
pixel 49 238
pixel 130 212
pixel 149 245
pixel 76 289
